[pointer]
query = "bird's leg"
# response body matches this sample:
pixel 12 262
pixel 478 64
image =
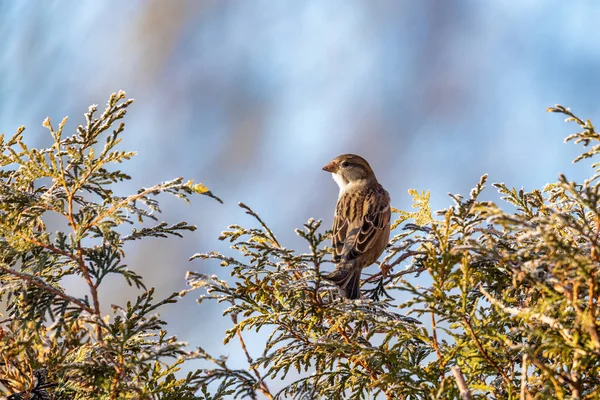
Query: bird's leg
pixel 385 269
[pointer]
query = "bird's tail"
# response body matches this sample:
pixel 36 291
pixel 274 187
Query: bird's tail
pixel 347 278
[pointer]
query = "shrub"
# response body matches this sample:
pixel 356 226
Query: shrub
pixel 495 304
pixel 55 345
pixel 476 301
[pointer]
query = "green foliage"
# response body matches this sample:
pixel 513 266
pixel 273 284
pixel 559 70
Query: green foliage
pixel 473 301
pixel 504 301
pixel 56 345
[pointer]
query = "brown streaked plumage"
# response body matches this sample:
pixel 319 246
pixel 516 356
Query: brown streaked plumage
pixel 361 225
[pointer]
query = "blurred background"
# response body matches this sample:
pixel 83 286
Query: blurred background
pixel 252 98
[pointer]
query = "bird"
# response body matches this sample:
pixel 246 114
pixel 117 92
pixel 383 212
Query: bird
pixel 361 223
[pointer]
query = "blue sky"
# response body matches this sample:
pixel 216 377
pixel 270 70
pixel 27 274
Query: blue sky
pixel 253 97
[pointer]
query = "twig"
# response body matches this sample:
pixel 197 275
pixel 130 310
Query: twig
pixel 403 257
pixel 122 203
pixel 435 343
pixel 483 352
pixel 255 215
pixel 374 375
pixel 523 377
pixel 519 312
pixel 465 393
pixel 263 385
pixel 81 262
pixel 49 247
pixel 93 289
pixel 559 379
pixel 34 280
pixel 385 268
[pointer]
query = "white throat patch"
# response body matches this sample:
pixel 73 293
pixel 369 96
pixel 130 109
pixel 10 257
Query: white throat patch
pixel 343 185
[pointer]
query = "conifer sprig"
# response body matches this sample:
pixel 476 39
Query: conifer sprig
pixel 480 300
pixel 54 344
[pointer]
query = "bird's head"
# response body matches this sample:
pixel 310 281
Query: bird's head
pixel 349 168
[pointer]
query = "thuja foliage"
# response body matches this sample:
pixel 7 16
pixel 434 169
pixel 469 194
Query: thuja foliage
pixel 479 300
pixel 482 300
pixel 54 345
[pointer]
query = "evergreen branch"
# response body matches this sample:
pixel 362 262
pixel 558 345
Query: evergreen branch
pixel 122 204
pixel 93 289
pixel 483 352
pixel 263 385
pixel 265 227
pixel 36 281
pixel 33 240
pixel 508 292
pixel 526 313
pixel 435 342
pixel 127 355
pixel 385 268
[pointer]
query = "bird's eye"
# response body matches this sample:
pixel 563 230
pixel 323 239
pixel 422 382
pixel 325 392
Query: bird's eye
pixel 345 164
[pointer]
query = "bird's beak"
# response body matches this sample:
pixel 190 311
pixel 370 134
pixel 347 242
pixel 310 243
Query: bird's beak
pixel 329 167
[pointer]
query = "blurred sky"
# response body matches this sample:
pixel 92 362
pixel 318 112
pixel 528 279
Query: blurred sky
pixel 252 98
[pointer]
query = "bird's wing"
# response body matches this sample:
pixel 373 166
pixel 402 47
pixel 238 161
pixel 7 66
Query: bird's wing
pixel 358 222
pixel 340 229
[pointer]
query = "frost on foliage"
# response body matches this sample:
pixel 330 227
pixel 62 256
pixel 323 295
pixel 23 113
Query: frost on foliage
pixel 55 344
pixel 483 299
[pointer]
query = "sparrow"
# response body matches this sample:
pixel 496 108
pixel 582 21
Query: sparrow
pixel 361 223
